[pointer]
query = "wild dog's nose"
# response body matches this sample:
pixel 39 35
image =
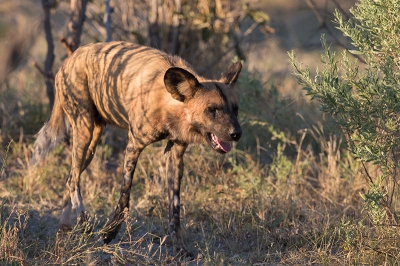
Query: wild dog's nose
pixel 236 135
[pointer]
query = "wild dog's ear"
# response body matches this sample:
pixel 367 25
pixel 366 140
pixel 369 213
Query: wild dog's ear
pixel 180 83
pixel 231 76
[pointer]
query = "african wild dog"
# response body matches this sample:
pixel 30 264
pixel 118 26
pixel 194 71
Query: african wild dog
pixel 154 96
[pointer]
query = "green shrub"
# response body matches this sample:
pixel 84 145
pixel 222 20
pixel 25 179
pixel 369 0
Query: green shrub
pixel 364 98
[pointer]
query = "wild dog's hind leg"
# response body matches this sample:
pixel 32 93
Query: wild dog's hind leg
pixel 98 129
pixel 82 125
pixel 132 152
pixel 174 153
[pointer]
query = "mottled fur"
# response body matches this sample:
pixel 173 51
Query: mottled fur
pixel 154 96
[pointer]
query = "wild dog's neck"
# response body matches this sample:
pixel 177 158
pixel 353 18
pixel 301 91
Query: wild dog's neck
pixel 180 126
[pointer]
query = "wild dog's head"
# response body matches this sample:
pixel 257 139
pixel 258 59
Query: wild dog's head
pixel 211 107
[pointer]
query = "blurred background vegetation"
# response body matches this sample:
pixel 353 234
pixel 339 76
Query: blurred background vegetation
pixel 289 194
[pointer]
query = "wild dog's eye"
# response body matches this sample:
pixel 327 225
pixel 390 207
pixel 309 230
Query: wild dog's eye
pixel 235 109
pixel 212 109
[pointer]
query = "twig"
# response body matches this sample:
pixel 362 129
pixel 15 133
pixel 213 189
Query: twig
pixel 75 25
pixel 234 46
pixel 378 251
pixel 66 46
pixel 313 7
pixel 366 172
pixel 48 75
pixel 174 34
pixel 48 63
pixel 107 20
pixel 323 25
pixel 389 225
pixel 3 166
pixel 394 179
pixel 346 16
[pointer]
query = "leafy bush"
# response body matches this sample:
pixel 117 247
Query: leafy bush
pixel 364 99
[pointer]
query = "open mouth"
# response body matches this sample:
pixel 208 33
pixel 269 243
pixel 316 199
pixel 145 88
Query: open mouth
pixel 218 145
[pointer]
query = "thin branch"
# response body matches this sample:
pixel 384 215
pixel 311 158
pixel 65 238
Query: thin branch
pixel 314 8
pixel 48 64
pixel 47 75
pixel 323 25
pixel 175 22
pixel 232 47
pixel 394 178
pixel 378 251
pixel 366 172
pixel 388 225
pixel 66 46
pixel 346 16
pixel 75 25
pixel 107 20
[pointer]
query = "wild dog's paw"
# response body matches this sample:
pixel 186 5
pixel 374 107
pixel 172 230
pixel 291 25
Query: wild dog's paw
pixel 84 217
pixel 65 228
pixel 109 236
pixel 112 227
pixel 183 254
pixel 110 231
pixel 85 224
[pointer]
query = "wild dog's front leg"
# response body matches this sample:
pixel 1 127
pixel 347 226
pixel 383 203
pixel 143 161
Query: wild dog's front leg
pixel 132 153
pixel 174 153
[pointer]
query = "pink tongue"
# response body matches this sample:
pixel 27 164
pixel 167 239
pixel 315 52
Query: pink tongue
pixel 225 146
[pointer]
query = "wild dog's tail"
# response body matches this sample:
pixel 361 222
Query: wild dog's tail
pixel 53 132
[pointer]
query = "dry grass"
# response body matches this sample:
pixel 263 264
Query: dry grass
pixel 294 211
pixel 289 194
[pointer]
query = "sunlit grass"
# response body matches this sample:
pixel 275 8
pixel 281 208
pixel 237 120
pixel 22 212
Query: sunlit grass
pixel 234 210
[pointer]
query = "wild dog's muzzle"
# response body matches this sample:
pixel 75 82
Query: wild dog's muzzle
pixel 223 146
pixel 219 145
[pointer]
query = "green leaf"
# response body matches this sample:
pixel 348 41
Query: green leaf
pixel 355 52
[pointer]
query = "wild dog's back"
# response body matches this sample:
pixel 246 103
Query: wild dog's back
pixel 116 76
